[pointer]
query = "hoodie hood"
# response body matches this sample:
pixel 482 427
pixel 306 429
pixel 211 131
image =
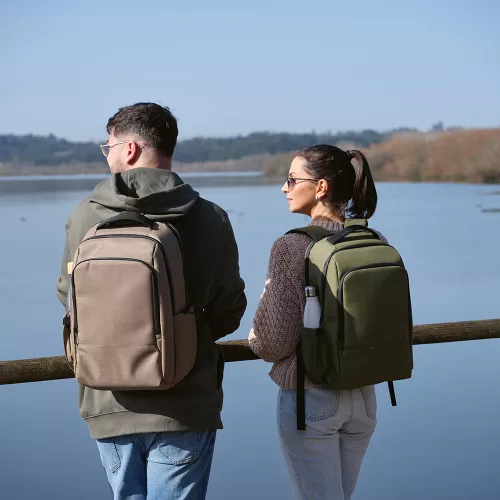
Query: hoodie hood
pixel 150 191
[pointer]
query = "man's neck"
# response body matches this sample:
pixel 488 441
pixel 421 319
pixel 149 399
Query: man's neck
pixel 160 163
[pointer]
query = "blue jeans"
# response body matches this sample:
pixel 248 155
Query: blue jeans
pixel 324 460
pixel 158 465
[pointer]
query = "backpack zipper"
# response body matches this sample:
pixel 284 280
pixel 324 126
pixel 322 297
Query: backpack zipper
pixel 156 300
pixel 327 263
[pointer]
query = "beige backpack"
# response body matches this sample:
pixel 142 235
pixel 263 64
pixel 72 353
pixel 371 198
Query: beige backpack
pixel 130 325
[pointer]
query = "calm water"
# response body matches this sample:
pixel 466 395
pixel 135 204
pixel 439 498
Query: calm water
pixel 441 442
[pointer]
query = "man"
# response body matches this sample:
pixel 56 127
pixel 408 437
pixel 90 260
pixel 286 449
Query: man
pixel 160 444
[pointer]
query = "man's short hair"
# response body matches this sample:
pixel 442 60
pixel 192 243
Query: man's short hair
pixel 149 121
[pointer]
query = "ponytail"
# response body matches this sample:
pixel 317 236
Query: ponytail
pixel 351 190
pixel 364 193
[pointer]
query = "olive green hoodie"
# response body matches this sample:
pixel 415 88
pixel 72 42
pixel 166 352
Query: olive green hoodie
pixel 213 285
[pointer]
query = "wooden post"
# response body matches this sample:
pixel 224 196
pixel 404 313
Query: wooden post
pixel 56 368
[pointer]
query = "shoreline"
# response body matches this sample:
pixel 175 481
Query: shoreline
pixel 65 175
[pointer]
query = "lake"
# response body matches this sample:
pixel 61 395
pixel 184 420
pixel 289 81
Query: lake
pixel 441 442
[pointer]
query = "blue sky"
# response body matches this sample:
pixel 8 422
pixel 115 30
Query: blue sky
pixel 230 67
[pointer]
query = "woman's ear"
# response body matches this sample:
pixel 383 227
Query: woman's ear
pixel 322 188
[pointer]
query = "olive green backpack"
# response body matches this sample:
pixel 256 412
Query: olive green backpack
pixel 365 333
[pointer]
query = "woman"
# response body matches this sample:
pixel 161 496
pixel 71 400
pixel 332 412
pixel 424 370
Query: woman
pixel 324 460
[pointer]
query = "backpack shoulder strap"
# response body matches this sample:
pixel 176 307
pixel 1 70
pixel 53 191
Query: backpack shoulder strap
pixel 315 233
pixel 312 231
pixel 300 391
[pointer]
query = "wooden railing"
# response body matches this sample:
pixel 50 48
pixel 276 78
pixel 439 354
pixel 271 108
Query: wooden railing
pixel 55 368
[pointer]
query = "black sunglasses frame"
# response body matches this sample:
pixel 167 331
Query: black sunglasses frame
pixel 291 182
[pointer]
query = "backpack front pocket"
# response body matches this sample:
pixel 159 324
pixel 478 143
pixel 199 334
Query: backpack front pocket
pixel 375 324
pixel 116 324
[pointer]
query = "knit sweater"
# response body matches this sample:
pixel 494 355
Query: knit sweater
pixel 276 326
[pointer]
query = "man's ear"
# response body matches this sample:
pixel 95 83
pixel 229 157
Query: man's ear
pixel 133 152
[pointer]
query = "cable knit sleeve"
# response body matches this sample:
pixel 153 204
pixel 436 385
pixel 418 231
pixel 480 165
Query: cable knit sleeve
pixel 276 325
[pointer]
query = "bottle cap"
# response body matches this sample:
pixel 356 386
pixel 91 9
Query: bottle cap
pixel 311 291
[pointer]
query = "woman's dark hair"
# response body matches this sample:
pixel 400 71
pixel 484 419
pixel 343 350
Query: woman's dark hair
pixel 351 192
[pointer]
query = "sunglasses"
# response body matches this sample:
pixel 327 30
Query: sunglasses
pixel 291 182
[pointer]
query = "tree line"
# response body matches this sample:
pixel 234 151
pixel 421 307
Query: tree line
pixel 453 156
pixel 441 154
pixel 53 151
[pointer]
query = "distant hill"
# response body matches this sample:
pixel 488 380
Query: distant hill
pixel 457 156
pixel 258 143
pixel 402 154
pixel 454 156
pixel 47 151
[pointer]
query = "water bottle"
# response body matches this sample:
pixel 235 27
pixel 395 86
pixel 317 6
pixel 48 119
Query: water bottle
pixel 312 311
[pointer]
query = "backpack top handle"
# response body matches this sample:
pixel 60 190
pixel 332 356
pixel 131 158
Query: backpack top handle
pixel 132 218
pixel 338 237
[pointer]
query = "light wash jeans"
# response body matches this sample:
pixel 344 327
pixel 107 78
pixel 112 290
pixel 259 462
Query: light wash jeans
pixel 324 460
pixel 158 466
